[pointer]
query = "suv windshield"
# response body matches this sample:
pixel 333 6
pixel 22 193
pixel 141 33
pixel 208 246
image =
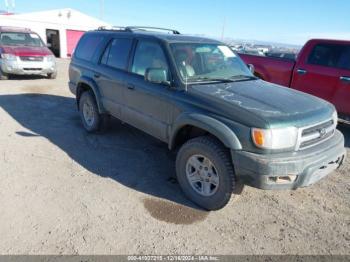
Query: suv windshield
pixel 199 62
pixel 20 39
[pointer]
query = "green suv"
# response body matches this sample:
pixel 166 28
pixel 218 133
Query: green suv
pixel 196 95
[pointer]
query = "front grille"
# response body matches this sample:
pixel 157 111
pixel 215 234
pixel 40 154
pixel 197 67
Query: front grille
pixel 316 134
pixel 32 58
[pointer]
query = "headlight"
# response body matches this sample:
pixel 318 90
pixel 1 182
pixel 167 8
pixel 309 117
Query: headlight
pixel 9 57
pixel 50 58
pixel 275 138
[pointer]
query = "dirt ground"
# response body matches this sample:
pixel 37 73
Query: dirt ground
pixel 63 191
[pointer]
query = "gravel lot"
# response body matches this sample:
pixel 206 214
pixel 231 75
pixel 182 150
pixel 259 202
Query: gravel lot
pixel 64 191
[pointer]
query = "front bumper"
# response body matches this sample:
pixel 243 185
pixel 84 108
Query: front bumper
pixel 18 67
pixel 306 167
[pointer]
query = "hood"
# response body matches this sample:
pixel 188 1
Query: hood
pixel 27 50
pixel 274 105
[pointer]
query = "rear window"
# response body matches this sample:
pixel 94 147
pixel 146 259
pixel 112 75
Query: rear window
pixel 87 46
pixel 117 53
pixel 331 55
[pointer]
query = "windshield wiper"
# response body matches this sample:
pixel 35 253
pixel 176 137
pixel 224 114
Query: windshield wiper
pixel 242 77
pixel 208 79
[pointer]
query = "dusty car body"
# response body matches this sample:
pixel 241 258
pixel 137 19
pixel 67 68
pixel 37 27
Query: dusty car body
pixel 197 96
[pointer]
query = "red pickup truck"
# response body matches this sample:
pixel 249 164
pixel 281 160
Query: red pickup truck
pixel 322 68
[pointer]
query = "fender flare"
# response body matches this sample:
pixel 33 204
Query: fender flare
pixel 209 124
pixel 91 83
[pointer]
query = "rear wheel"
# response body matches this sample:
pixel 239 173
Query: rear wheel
pixel 91 118
pixel 205 172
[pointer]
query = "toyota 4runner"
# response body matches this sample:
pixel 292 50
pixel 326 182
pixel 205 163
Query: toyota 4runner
pixel 196 95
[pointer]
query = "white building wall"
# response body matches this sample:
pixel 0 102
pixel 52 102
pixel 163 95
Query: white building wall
pixel 61 20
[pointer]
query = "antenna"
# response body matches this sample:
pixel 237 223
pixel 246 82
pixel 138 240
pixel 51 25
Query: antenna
pixel 102 9
pixel 223 29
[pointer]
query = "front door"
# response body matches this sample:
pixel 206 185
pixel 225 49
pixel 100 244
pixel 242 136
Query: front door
pixel 149 105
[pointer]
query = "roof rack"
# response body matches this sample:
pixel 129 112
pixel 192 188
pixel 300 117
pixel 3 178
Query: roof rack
pixel 113 28
pixel 14 28
pixel 137 28
pixel 150 28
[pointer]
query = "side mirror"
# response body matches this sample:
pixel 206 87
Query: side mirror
pixel 157 75
pixel 251 68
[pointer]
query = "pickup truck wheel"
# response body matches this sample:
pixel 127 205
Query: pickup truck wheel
pixel 52 75
pixel 3 76
pixel 89 114
pixel 205 173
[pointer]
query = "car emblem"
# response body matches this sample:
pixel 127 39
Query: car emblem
pixel 322 132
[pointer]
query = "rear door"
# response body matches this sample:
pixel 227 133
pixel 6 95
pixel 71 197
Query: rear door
pixel 323 73
pixel 342 96
pixel 111 74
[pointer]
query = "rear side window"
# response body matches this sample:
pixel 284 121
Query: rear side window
pixel 117 53
pixel 330 55
pixel 87 46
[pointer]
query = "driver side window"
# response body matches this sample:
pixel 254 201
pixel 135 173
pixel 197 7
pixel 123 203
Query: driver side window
pixel 148 55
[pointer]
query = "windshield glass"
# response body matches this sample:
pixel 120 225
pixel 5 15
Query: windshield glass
pixel 20 39
pixel 199 62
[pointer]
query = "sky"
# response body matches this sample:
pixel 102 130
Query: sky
pixel 281 21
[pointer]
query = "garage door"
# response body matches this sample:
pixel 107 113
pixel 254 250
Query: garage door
pixel 73 37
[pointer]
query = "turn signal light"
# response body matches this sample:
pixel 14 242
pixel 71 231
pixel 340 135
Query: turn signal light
pixel 258 137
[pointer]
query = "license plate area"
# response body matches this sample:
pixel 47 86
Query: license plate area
pixel 325 170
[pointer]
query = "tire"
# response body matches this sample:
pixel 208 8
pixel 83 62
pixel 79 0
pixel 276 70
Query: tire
pixel 52 75
pixel 202 149
pixel 92 120
pixel 3 76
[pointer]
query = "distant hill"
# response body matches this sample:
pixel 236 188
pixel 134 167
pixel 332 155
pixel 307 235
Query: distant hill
pixel 232 41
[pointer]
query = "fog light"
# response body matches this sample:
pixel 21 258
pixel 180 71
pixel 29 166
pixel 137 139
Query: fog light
pixel 283 179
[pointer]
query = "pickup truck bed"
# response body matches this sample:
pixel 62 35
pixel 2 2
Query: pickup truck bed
pixel 271 69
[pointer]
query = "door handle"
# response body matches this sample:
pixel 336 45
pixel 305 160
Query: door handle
pixel 345 79
pixel 301 71
pixel 130 86
pixel 97 75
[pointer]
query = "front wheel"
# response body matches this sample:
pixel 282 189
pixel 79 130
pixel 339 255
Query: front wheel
pixel 205 172
pixel 3 76
pixel 52 75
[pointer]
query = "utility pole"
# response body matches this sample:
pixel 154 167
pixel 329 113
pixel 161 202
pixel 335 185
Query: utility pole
pixel 223 29
pixel 7 6
pixel 13 5
pixel 102 9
